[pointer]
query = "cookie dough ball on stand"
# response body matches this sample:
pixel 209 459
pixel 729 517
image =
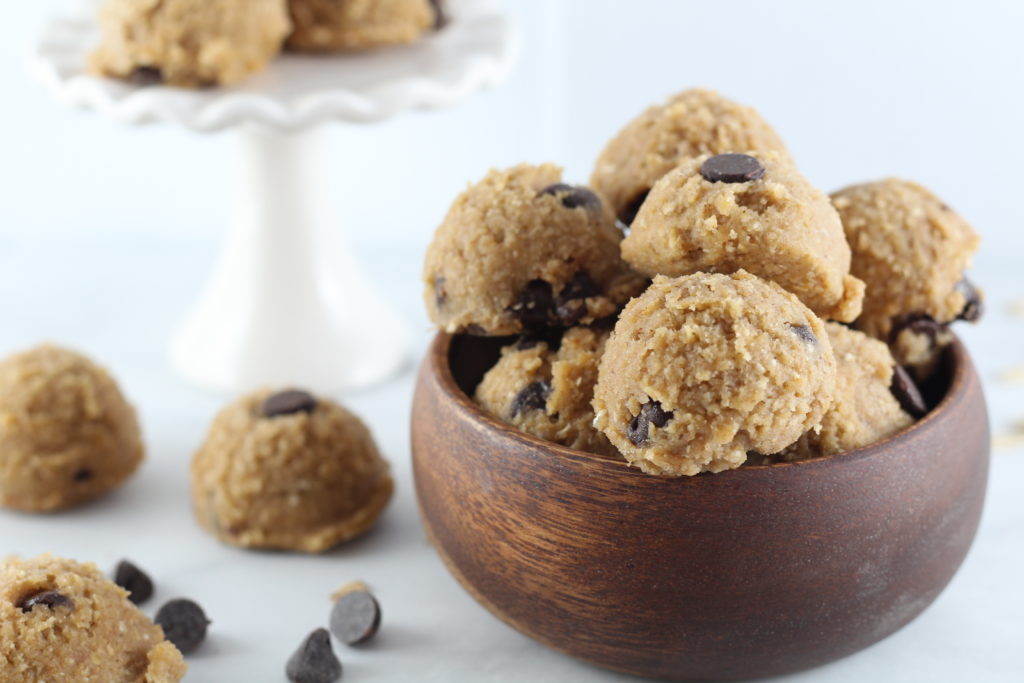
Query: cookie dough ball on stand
pixel 349 25
pixel 690 124
pixel 61 620
pixel 189 43
pixel 521 250
pixel 288 471
pixel 868 402
pixel 703 368
pixel 757 213
pixel 545 387
pixel 911 250
pixel 67 435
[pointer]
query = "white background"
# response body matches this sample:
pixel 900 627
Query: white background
pixel 106 234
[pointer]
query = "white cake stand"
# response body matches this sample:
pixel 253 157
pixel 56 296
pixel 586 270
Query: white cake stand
pixel 288 303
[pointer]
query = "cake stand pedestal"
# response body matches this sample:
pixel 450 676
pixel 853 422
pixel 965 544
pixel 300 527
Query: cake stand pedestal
pixel 288 303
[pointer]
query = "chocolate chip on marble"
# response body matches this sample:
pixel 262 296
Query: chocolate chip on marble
pixel 314 661
pixel 650 413
pixel 138 584
pixel 573 197
pixel 731 168
pixel 355 617
pixel 146 75
pixel 440 293
pixel 536 304
pixel 804 332
pixel 534 396
pixel 973 307
pixel 83 474
pixel 51 599
pixel 288 403
pixel 906 392
pixel 184 624
pixel 632 208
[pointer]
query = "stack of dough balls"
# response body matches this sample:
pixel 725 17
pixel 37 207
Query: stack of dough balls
pixel 67 434
pixel 701 305
pixel 206 43
pixel 288 471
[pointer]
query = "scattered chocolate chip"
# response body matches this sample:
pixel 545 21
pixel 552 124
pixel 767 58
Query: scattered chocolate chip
pixel 440 16
pixel 289 403
pixel 440 293
pixel 731 168
pixel 906 392
pixel 146 75
pixel 973 307
pixel 534 396
pixel 355 617
pixel 650 413
pixel 573 197
pixel 632 208
pixel 920 324
pixel 83 474
pixel 134 580
pixel 536 304
pixel 314 661
pixel 184 624
pixel 804 332
pixel 51 599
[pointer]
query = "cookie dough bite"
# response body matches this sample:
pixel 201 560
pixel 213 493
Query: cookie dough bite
pixel 545 388
pixel 912 251
pixel 522 250
pixel 189 43
pixel 739 211
pixel 349 25
pixel 864 409
pixel 67 434
pixel 288 471
pixel 703 368
pixel 61 620
pixel 692 123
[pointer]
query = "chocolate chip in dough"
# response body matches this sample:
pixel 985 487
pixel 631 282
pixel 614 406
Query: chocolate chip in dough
pixel 355 617
pixel 573 197
pixel 906 392
pixel 732 168
pixel 134 580
pixel 536 304
pixel 650 413
pixel 973 307
pixel 534 396
pixel 314 661
pixel 51 599
pixel 184 624
pixel 289 403
pixel 804 332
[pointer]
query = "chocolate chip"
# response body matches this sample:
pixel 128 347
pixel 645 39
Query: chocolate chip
pixel 289 403
pixel 83 474
pixel 570 312
pixel 184 624
pixel 440 16
pixel 650 413
pixel 579 286
pixel 632 208
pixel 906 392
pixel 134 580
pixel 573 197
pixel 51 599
pixel 920 324
pixel 804 332
pixel 731 168
pixel 314 661
pixel 534 396
pixel 146 75
pixel 536 304
pixel 440 293
pixel 355 617
pixel 476 330
pixel 973 307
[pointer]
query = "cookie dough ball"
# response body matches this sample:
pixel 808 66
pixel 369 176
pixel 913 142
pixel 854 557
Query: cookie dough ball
pixel 61 620
pixel 690 124
pixel 911 250
pixel 288 471
pixel 67 435
pixel 864 409
pixel 347 25
pixel 545 388
pixel 522 250
pixel 190 43
pixel 737 211
pixel 703 368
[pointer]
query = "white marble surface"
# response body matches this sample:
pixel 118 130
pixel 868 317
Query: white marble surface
pixel 118 297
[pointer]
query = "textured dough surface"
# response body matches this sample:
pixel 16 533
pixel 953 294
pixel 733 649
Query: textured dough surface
pixel 909 248
pixel 304 481
pixel 739 363
pixel 691 123
pixel 558 385
pixel 99 636
pixel 778 227
pixel 67 435
pixel 863 409
pixel 192 43
pixel 345 25
pixel 503 236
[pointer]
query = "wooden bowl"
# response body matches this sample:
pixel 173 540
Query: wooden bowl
pixel 754 572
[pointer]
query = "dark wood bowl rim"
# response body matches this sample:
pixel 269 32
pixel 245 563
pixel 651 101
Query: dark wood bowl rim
pixel 438 357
